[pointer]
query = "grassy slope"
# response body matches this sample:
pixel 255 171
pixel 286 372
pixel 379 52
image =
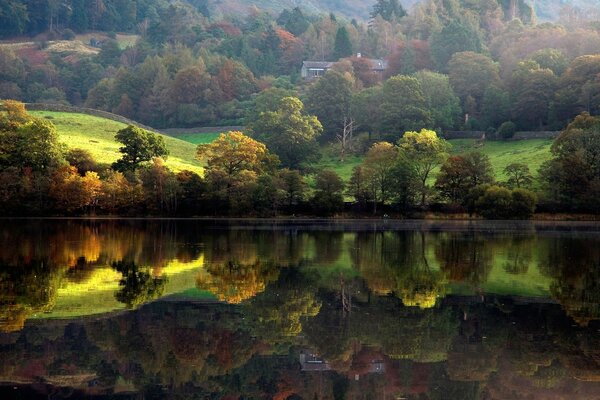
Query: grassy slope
pixel 97 135
pixel 531 152
pixel 198 138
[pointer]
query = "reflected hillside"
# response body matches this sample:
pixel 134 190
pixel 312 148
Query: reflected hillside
pixel 73 268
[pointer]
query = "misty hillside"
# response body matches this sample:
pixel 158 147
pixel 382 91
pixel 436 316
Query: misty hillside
pixel 546 10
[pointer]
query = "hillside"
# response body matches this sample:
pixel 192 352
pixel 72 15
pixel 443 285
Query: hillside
pixel 96 135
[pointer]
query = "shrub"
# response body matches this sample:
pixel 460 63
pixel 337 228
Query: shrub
pixel 495 203
pixel 507 130
pixel 523 203
pixel 68 34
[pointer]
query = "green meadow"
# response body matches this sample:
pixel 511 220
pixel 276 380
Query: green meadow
pixel 96 135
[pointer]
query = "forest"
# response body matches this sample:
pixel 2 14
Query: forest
pixel 487 67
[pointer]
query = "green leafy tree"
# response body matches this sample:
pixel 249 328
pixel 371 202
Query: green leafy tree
pixel 139 146
pixel 378 168
pixel 288 132
pixel 329 188
pixel 532 91
pixel 470 75
pixel 389 10
pixel 403 106
pixel 441 100
pixel 26 141
pixel 454 38
pixel 137 286
pixel 518 176
pixel 329 99
pixel 423 151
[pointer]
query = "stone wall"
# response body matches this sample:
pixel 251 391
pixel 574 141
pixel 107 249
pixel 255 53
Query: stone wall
pixel 518 135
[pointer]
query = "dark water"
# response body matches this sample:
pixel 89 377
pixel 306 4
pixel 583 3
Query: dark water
pixel 235 310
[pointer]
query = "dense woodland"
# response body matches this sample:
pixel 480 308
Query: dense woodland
pixel 451 64
pixel 188 68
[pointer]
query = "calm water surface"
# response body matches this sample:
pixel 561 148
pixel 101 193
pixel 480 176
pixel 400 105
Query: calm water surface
pixel 236 310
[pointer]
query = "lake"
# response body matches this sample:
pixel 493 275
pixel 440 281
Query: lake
pixel 241 309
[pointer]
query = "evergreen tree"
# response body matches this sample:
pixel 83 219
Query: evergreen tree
pixel 390 10
pixel 342 47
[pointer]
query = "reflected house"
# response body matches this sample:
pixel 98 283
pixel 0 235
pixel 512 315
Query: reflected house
pixel 310 362
pixel 315 69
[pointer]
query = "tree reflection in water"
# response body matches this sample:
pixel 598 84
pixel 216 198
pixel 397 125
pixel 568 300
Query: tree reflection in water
pixel 298 313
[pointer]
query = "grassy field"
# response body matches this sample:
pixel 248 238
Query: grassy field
pixel 97 135
pixel 198 138
pixel 531 152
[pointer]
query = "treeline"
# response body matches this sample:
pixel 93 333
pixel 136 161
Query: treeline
pixel 188 69
pixel 243 177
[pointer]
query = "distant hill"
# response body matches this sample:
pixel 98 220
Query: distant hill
pixel 359 9
pixel 549 10
pixel 546 10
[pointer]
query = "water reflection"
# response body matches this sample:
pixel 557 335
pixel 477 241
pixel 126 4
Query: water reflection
pixel 297 313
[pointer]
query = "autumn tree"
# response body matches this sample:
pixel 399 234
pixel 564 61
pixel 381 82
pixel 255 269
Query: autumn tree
pixel 460 174
pixel 73 192
pixel 423 151
pixel 233 163
pixel 139 146
pixel 288 132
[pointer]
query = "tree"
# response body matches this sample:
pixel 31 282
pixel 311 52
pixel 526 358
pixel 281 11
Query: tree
pixel 292 184
pixel 389 10
pixel 233 163
pixel 579 88
pixel 532 92
pixel 329 99
pixel 365 108
pixel 137 284
pixel 161 187
pixel 342 46
pixel 470 75
pixel 73 192
pixel 288 132
pixel 26 141
pixel 423 151
pixel 139 146
pixel 518 176
pixel 573 173
pixel 461 174
pixel 328 197
pixel 378 167
pixel 403 106
pixel 441 100
pixel 453 38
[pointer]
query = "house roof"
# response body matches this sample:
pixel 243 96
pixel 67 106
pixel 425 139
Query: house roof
pixel 317 64
pixel 376 64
